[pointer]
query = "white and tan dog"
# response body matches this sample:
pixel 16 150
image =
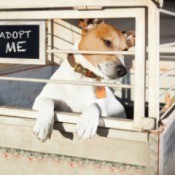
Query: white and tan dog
pixel 85 99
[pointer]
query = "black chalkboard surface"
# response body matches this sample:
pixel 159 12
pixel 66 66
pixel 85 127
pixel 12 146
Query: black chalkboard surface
pixel 19 41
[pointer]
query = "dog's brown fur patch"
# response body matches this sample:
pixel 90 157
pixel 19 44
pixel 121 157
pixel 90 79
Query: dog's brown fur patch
pixel 94 40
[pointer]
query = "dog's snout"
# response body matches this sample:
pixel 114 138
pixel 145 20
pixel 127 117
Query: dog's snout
pixel 121 70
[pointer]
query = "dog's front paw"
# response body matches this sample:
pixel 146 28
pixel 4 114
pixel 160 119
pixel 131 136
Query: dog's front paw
pixel 88 123
pixel 43 127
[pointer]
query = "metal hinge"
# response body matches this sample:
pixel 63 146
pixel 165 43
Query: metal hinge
pixel 87 7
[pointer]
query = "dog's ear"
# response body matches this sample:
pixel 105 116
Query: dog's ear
pixel 89 23
pixel 130 38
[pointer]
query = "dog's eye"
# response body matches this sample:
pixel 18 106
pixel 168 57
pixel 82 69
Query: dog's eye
pixel 108 43
pixel 125 49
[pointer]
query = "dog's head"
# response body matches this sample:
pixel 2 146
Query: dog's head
pixel 104 37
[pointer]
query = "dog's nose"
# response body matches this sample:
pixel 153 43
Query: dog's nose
pixel 121 71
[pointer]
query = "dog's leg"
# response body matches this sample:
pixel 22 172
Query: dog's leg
pixel 89 121
pixel 45 118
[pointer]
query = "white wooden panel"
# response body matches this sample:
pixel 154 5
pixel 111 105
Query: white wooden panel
pixel 85 83
pixel 92 52
pixel 153 56
pixel 49 41
pixel 167 44
pixel 69 14
pixel 68 127
pixel 167 12
pixel 98 148
pixel 64 37
pixel 17 4
pixel 139 100
pixel 73 118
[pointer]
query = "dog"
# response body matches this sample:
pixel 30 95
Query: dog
pixel 90 101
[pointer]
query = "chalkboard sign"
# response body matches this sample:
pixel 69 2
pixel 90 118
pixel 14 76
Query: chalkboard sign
pixel 22 42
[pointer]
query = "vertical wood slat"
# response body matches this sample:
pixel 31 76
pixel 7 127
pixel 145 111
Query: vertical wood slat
pixel 139 104
pixel 153 57
pixel 50 44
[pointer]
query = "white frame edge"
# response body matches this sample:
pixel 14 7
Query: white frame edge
pixel 42 44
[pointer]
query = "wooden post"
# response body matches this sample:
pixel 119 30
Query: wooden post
pixel 153 56
pixel 139 104
pixel 50 43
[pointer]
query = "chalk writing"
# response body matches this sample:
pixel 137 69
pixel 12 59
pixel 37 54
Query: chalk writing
pixel 19 41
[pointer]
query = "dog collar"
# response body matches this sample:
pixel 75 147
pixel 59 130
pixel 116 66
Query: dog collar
pixel 80 69
pixel 100 91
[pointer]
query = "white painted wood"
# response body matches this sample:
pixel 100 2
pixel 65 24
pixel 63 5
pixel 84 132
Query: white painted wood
pixel 73 118
pixel 168 90
pixel 139 99
pixel 71 127
pixel 83 7
pixel 65 35
pixel 164 65
pixel 98 148
pixel 168 57
pixel 153 57
pixel 42 48
pixel 92 52
pixel 167 45
pixel 167 73
pixel 50 44
pixel 69 3
pixel 66 82
pixel 167 12
pixel 167 49
pixel 69 14
pixel 164 48
pixel 160 2
pixel 23 61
